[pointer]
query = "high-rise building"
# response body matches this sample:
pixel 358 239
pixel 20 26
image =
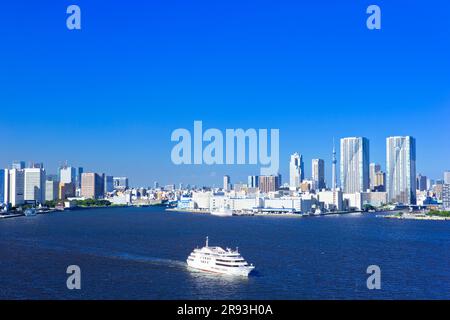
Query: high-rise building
pixel 4 178
pixel 446 196
pixel 421 183
pixel 226 183
pixel 120 183
pixel 355 164
pixel 18 165
pixel 109 184
pixel 16 187
pixel 401 169
pixel 373 170
pixel 447 177
pixel 67 174
pixel 296 171
pixel 79 172
pixel 318 173
pixel 380 182
pixel 92 185
pixel 66 190
pixel 34 190
pixel 51 190
pixel 253 181
pixel 269 183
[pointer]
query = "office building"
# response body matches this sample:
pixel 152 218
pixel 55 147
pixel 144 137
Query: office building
pixel 92 185
pixel 447 177
pixel 253 181
pixel 355 164
pixel 380 182
pixel 421 183
pixel 318 174
pixel 66 190
pixel 4 184
pixel 226 183
pixel 34 190
pixel 109 184
pixel 18 165
pixel 401 169
pixel 120 183
pixel 446 196
pixel 67 174
pixel 269 183
pixel 16 187
pixel 296 171
pixel 373 170
pixel 51 190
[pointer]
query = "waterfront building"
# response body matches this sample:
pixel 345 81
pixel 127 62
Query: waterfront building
pixel 51 190
pixel 109 184
pixel 16 187
pixel 318 174
pixel 253 181
pixel 331 199
pixel 269 183
pixel 18 165
pixel 373 170
pixel 3 185
pixel 446 196
pixel 92 185
pixel 421 183
pixel 226 183
pixel 34 185
pixel 375 199
pixel 120 183
pixel 296 171
pixel 354 164
pixel 401 169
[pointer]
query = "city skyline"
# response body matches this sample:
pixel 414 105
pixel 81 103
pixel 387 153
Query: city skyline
pixel 314 71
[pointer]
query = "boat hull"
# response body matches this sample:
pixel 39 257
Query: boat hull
pixel 232 271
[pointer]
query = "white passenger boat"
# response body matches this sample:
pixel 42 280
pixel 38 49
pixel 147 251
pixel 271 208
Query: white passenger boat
pixel 218 260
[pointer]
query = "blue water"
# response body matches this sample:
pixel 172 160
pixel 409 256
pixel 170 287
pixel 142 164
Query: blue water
pixel 139 253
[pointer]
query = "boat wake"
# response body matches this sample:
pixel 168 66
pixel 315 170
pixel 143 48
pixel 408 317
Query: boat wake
pixel 103 253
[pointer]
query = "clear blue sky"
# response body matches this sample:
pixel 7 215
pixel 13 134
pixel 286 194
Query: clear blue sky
pixel 108 97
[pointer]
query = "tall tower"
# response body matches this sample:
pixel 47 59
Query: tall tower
pixel 354 164
pixel 401 169
pixel 296 171
pixel 334 161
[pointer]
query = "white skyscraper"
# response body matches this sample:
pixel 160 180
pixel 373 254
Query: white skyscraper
pixel 226 183
pixel 355 164
pixel 318 173
pixel 34 183
pixel 67 174
pixel 401 169
pixel 16 187
pixel 447 177
pixel 296 171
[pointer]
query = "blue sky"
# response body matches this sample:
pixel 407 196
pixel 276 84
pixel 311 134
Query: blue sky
pixel 107 97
